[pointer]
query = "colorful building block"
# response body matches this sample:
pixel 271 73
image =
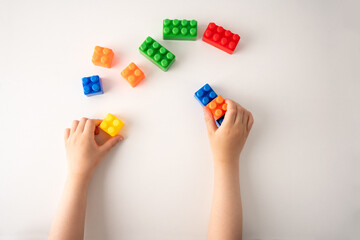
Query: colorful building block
pixel 217 107
pixel 133 74
pixel 102 57
pixel 219 121
pixel 219 37
pixel 205 95
pixel 111 125
pixel 156 53
pixel 92 85
pixel 179 29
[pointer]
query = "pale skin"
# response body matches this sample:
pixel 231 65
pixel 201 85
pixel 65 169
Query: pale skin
pixel 84 153
pixel 226 143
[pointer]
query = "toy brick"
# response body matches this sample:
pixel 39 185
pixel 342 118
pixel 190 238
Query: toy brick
pixel 92 85
pixel 133 74
pixel 219 37
pixel 102 57
pixel 179 29
pixel 205 95
pixel 111 125
pixel 217 107
pixel 219 121
pixel 157 54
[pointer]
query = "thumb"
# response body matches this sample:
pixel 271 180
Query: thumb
pixel 209 120
pixel 109 144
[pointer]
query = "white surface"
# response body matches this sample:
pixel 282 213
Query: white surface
pixel 296 68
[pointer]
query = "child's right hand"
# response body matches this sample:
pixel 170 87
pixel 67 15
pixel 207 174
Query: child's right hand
pixel 83 151
pixel 228 140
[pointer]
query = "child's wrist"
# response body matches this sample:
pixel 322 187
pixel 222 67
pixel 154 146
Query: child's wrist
pixel 226 167
pixel 226 159
pixel 226 162
pixel 79 179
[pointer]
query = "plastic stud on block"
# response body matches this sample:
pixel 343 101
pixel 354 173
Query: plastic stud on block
pixel 205 95
pixel 157 54
pixel 179 29
pixel 103 57
pixel 133 74
pixel 217 107
pixel 111 125
pixel 92 85
pixel 219 37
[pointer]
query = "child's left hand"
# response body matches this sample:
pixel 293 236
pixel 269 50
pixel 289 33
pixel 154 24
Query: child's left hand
pixel 83 152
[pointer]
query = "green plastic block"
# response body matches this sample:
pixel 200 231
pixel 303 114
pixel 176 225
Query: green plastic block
pixel 156 53
pixel 179 30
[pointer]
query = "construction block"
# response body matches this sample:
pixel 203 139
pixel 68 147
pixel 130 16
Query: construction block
pixel 217 107
pixel 205 95
pixel 179 29
pixel 92 85
pixel 133 74
pixel 102 57
pixel 156 53
pixel 219 121
pixel 111 125
pixel 219 37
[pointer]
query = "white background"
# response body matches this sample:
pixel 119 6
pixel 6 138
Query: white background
pixel 296 68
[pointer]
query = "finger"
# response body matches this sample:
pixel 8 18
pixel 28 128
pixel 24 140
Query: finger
pixel 240 114
pixel 97 121
pixel 97 131
pixel 250 121
pixel 209 120
pixel 109 144
pixel 67 134
pixel 230 115
pixel 97 124
pixel 246 117
pixel 90 127
pixel 74 125
pixel 81 125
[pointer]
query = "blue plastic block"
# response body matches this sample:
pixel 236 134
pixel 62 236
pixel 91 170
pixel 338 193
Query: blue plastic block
pixel 205 95
pixel 92 85
pixel 219 121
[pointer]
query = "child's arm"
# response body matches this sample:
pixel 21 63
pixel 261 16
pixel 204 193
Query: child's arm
pixel 83 154
pixel 227 142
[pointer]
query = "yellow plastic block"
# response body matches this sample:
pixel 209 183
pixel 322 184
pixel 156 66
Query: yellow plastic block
pixel 111 125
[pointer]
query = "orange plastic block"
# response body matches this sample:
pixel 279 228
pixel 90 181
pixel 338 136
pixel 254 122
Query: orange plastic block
pixel 218 107
pixel 103 57
pixel 133 74
pixel 111 125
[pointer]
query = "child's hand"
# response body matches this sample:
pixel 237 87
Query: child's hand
pixel 228 140
pixel 83 153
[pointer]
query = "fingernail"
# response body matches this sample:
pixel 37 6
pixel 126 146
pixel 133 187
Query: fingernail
pixel 120 138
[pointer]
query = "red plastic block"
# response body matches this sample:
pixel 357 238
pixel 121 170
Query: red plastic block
pixel 219 37
pixel 103 57
pixel 218 107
